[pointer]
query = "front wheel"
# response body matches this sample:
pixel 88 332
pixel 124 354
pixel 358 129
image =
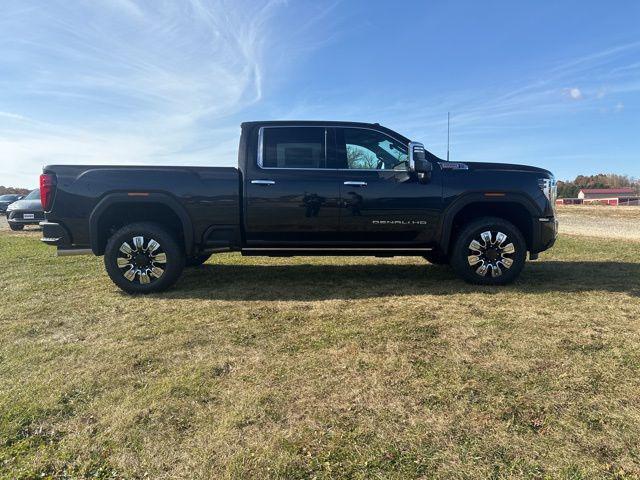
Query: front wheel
pixel 436 258
pixel 143 258
pixel 489 251
pixel 16 227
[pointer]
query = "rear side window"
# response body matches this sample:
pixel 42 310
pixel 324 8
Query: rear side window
pixel 293 147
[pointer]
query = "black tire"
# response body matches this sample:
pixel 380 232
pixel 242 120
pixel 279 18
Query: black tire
pixel 16 227
pixel 197 260
pixel 505 256
pixel 436 258
pixel 144 258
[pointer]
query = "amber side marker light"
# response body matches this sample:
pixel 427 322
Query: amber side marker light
pixel 494 194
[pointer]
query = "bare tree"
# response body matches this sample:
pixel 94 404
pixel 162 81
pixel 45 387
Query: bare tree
pixel 360 158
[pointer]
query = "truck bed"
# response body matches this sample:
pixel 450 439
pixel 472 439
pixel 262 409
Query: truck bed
pixel 210 196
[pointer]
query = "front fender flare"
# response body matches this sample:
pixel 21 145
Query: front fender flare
pixel 446 226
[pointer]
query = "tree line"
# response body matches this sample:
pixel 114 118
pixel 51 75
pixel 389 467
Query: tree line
pixel 13 190
pixel 570 188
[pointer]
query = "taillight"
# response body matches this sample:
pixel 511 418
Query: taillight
pixel 47 190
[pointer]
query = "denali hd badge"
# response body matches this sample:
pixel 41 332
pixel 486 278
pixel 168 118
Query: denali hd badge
pixel 399 222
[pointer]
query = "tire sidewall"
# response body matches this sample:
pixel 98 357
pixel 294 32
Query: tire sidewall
pixel 459 259
pixel 173 267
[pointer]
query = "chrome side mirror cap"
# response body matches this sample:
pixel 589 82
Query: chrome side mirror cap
pixel 418 158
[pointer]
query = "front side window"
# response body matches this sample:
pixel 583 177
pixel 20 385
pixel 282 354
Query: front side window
pixel 371 150
pixel 293 147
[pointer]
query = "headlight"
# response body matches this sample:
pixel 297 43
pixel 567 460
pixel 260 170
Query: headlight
pixel 550 190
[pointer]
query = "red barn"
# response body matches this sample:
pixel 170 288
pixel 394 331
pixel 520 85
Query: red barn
pixel 608 196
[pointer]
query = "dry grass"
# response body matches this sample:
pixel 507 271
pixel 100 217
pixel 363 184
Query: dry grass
pixel 321 367
pixel 600 221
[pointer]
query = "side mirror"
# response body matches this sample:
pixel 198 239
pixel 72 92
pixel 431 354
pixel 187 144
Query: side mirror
pixel 418 159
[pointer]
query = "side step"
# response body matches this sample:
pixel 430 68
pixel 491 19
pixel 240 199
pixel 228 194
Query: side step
pixel 67 252
pixel 332 251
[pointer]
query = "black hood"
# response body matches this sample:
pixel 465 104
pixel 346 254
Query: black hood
pixel 508 167
pixel 31 205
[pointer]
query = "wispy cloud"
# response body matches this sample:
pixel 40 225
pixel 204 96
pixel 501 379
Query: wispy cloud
pixel 124 81
pixel 595 79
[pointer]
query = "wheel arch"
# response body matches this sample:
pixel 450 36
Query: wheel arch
pixel 515 208
pixel 118 209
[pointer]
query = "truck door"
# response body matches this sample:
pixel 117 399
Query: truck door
pixel 291 197
pixel 382 202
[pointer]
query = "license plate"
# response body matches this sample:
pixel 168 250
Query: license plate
pixel 29 216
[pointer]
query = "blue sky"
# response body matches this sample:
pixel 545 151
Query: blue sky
pixel 554 84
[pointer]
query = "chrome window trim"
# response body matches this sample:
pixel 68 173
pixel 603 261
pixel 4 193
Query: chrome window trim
pixel 260 155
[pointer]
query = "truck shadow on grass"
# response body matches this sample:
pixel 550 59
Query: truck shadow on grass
pixel 334 282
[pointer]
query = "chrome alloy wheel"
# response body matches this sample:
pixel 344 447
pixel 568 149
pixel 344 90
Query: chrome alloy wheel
pixel 146 263
pixel 491 251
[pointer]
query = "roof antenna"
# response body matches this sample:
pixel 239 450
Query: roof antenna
pixel 448 130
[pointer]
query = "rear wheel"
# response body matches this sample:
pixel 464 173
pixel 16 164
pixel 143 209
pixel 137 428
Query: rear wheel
pixel 16 227
pixel 197 260
pixel 489 251
pixel 143 258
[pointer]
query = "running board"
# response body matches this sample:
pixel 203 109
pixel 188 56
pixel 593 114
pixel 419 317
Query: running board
pixel 329 251
pixel 333 249
pixel 67 252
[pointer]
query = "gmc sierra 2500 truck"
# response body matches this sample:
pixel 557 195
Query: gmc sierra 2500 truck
pixel 303 188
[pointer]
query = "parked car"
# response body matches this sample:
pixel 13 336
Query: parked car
pixel 303 188
pixel 6 200
pixel 27 211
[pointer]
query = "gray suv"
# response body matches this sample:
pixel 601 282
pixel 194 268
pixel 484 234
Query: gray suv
pixel 27 211
pixel 6 200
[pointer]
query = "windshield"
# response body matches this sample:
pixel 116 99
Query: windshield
pixel 7 197
pixel 33 195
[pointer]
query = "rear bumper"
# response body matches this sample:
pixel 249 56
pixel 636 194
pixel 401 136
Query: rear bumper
pixel 55 234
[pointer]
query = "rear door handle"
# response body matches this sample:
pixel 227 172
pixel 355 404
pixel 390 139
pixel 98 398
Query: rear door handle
pixel 356 184
pixel 263 182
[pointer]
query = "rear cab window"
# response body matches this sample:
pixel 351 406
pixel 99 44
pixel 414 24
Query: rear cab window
pixel 293 147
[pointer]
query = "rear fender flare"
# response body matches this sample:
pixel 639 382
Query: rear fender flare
pixel 152 198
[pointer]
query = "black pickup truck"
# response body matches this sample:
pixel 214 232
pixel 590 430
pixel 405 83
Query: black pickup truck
pixel 303 188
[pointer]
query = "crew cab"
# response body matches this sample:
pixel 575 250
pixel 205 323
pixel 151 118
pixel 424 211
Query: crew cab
pixel 303 188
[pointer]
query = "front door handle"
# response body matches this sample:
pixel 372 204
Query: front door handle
pixel 356 184
pixel 263 182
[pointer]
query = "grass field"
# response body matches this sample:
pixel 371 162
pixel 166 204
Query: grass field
pixel 321 368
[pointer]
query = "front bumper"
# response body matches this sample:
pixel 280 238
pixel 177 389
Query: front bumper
pixel 547 233
pixel 16 217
